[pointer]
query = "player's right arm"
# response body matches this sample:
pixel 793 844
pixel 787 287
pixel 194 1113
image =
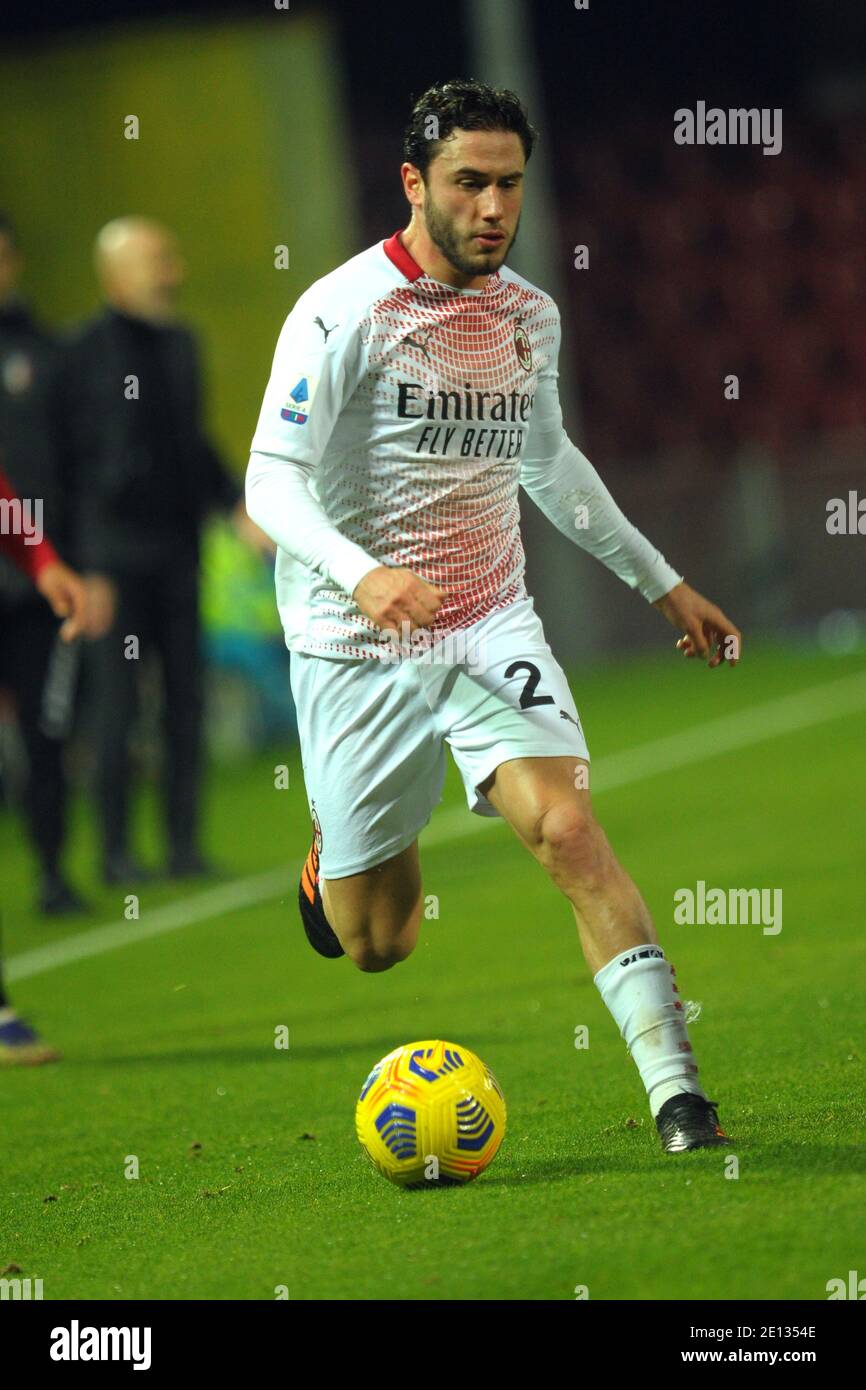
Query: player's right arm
pixel 393 596
pixel 313 377
pixel 62 588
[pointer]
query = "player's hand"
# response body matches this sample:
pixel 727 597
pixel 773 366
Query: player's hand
pixel 708 632
pixel 101 605
pixel 390 596
pixel 67 595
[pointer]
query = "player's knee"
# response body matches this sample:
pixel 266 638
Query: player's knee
pixel 570 842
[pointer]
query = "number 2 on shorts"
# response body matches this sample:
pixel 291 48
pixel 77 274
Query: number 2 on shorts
pixel 527 695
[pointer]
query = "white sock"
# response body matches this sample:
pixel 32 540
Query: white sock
pixel 638 987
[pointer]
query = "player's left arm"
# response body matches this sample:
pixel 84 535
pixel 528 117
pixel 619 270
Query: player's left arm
pixel 707 631
pixel 564 485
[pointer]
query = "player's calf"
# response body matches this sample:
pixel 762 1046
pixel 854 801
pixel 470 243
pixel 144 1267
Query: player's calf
pixel 610 912
pixel 573 848
pixel 378 936
pixel 554 819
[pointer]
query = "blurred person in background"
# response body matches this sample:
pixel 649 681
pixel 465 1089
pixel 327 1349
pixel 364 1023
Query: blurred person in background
pixel 146 478
pixel 31 455
pixel 40 568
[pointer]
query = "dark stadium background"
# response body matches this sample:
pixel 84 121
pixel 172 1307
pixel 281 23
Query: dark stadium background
pixel 703 261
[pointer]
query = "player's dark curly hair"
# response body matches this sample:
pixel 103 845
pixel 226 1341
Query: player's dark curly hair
pixel 466 105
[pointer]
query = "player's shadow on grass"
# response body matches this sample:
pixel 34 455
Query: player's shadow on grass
pixel 810 1160
pixel 565 1169
pixel 805 1160
pixel 551 1170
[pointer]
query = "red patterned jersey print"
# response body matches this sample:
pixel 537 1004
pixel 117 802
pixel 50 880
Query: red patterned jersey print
pixel 418 408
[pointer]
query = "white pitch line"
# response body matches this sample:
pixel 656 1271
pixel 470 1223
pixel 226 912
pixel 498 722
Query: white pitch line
pixel 243 892
pixel 783 715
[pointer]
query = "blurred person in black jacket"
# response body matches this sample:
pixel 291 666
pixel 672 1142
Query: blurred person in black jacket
pixel 43 571
pixel 32 457
pixel 146 477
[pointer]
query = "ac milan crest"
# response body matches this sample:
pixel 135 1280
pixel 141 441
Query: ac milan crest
pixel 523 347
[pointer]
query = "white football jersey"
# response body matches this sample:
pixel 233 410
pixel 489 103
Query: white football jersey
pixel 412 408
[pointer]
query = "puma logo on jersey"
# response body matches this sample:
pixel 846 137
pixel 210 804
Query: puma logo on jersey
pixel 563 714
pixel 326 331
pixel 421 343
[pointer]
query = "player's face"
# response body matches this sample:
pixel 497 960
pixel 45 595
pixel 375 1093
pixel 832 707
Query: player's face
pixel 472 199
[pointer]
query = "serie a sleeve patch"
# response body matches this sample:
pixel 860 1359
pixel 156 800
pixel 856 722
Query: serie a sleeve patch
pixel 300 400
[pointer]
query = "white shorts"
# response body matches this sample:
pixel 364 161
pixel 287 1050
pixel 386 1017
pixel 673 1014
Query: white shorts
pixel 373 732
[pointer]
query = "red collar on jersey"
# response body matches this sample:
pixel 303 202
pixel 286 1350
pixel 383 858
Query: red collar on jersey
pixel 396 252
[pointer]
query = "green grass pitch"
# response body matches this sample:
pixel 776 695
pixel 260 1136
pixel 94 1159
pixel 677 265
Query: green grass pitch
pixel 251 1177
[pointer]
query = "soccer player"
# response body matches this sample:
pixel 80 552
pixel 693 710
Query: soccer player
pixel 413 390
